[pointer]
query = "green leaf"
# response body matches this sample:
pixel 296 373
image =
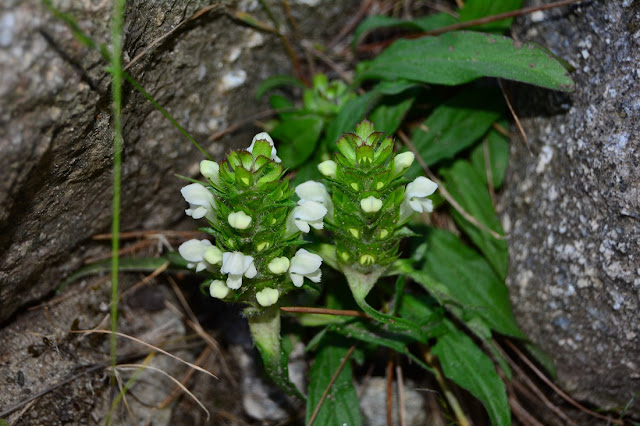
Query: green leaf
pixel 456 272
pixel 350 114
pixel 460 57
pixel 284 105
pixel 276 81
pixel 341 403
pixel 456 125
pixel 426 23
pixel 464 363
pixel 299 137
pixel 474 9
pixel 377 334
pixel 465 184
pixel 390 113
pixel 497 146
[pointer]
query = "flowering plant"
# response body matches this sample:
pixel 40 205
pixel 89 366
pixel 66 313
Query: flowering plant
pixel 256 258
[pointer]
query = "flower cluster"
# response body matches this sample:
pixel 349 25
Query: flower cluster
pixel 256 226
pixel 370 202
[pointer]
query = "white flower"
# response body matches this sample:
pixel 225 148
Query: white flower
pixel 317 193
pixel 313 191
pixel 371 204
pixel 403 161
pixel 415 197
pixel 264 136
pixel 193 251
pixel 218 289
pixel 239 220
pixel 213 255
pixel 267 296
pixel 279 265
pixel 328 168
pixel 305 264
pixel 236 265
pixel 309 213
pixel 210 170
pixel 201 201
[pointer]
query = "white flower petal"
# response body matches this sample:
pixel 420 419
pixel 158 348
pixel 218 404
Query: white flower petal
pixel 415 197
pixel 302 226
pixel 235 263
pixel 218 289
pixel 309 213
pixel 234 281
pixel 193 250
pixel 267 296
pixel 201 201
pixel 312 191
pixel 315 276
pixel 251 271
pixel 297 279
pixel 304 262
pixel 421 187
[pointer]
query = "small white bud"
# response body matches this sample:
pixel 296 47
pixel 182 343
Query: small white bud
pixel 239 220
pixel 371 204
pixel 267 296
pixel 213 255
pixel 218 289
pixel 210 170
pixel 403 161
pixel 328 168
pixel 279 265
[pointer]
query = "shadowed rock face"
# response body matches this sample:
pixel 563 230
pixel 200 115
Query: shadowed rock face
pixel 573 207
pixel 55 136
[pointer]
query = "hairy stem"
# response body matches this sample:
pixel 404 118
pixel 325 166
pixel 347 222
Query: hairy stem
pixel 265 330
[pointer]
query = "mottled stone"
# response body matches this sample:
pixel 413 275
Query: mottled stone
pixel 572 206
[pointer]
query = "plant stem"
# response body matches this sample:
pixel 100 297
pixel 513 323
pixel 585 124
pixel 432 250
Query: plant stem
pixel 116 71
pixel 449 395
pixel 265 330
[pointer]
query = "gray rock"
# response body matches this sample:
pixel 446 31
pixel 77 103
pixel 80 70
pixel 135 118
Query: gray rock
pixel 373 403
pixel 572 209
pixel 55 135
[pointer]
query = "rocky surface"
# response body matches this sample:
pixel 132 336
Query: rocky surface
pixel 55 135
pixel 572 207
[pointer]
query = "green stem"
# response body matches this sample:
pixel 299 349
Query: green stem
pixel 116 70
pixel 361 284
pixel 265 330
